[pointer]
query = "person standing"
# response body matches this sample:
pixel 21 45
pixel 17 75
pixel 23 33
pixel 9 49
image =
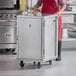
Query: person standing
pixel 52 7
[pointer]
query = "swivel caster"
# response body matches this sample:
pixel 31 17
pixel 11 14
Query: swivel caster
pixel 8 49
pixel 34 63
pixel 39 65
pixel 22 64
pixel 50 62
pixel 58 59
pixel 13 51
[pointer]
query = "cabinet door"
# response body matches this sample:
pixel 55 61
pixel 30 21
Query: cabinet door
pixel 50 38
pixel 29 38
pixel 8 34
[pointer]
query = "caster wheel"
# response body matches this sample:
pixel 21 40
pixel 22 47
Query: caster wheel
pixel 58 59
pixel 13 51
pixel 22 64
pixel 50 62
pixel 39 65
pixel 8 49
pixel 34 63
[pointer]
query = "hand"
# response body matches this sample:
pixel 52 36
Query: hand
pixel 58 13
pixel 34 12
pixel 35 9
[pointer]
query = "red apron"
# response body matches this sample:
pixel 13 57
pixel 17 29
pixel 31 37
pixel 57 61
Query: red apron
pixel 50 7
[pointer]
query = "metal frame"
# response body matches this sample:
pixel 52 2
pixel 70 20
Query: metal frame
pixel 42 42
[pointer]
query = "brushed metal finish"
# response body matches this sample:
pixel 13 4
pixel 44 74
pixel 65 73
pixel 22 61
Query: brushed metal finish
pixel 49 38
pixel 10 12
pixel 4 23
pixel 29 38
pixel 37 38
pixel 6 4
pixel 13 45
pixel 8 34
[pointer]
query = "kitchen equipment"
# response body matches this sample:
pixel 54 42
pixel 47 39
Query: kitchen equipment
pixel 37 39
pixel 9 9
pixel 8 31
pixel 6 4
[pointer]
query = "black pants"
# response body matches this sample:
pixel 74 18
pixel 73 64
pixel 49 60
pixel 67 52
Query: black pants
pixel 59 51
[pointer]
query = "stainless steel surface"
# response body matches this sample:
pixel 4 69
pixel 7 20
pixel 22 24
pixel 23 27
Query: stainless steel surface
pixel 8 22
pixel 6 4
pixel 6 12
pixel 7 17
pixel 50 38
pixel 8 34
pixel 8 30
pixel 29 38
pixel 33 45
pixel 8 45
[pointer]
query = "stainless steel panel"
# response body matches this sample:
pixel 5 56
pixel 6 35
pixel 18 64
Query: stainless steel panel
pixel 5 23
pixel 49 38
pixel 6 4
pixel 29 38
pixel 10 12
pixel 37 38
pixel 8 34
pixel 2 46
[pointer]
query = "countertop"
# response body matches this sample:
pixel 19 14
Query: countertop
pixel 68 12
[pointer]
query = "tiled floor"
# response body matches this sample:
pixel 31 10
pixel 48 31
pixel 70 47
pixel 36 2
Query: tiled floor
pixel 67 67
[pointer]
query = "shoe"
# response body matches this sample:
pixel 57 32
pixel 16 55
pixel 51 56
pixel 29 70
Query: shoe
pixel 59 51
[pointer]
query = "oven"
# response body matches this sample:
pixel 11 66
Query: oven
pixel 8 30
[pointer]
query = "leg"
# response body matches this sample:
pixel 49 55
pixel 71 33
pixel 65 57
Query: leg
pixel 59 38
pixel 59 51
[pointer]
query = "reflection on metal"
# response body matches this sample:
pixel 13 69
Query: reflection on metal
pixel 6 4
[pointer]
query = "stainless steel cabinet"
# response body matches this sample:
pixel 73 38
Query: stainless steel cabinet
pixel 37 38
pixel 29 38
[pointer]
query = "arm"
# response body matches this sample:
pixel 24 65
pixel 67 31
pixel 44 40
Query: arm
pixel 61 9
pixel 62 4
pixel 36 7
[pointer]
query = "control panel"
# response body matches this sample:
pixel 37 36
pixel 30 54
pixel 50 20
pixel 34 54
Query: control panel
pixel 8 17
